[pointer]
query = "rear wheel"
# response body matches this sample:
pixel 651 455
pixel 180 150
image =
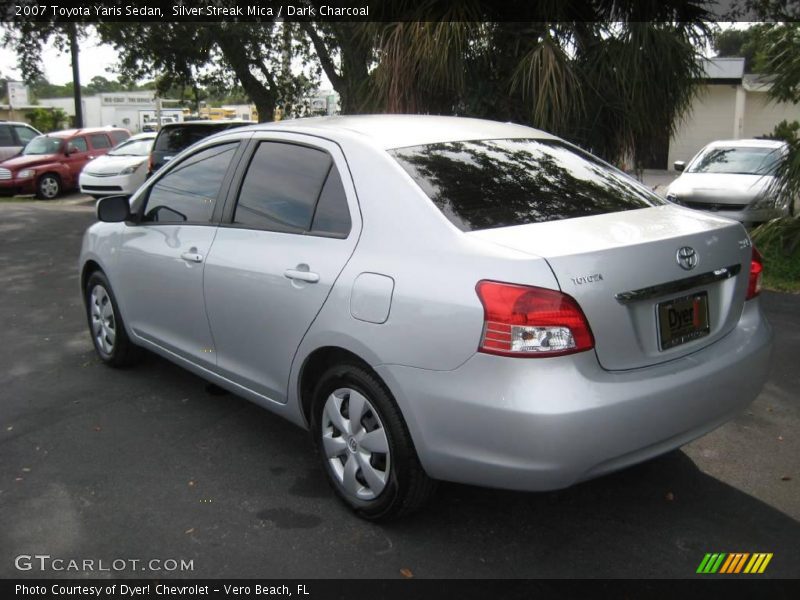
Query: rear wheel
pixel 365 447
pixel 48 186
pixel 106 327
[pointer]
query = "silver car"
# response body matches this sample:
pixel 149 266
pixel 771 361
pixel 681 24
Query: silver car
pixel 435 298
pixel 733 179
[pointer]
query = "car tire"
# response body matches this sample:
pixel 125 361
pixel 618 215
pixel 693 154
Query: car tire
pixel 48 187
pixel 377 485
pixel 109 337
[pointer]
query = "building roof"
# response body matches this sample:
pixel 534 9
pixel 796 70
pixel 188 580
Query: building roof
pixel 724 68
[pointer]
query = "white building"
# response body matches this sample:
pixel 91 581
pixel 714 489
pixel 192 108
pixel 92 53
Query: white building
pixel 732 105
pixel 120 109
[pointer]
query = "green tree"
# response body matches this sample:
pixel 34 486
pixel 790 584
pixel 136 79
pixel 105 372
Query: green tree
pixel 614 76
pixel 752 44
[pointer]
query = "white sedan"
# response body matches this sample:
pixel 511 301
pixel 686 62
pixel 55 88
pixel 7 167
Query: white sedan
pixel 121 171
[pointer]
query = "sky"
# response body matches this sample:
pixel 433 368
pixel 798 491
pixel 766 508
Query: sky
pixel 99 59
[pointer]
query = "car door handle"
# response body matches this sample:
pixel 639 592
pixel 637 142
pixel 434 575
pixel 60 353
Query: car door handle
pixel 301 275
pixel 192 257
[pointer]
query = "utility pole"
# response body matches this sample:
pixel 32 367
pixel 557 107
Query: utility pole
pixel 76 75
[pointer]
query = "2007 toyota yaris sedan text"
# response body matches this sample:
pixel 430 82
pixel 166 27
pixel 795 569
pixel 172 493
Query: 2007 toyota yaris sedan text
pixel 435 298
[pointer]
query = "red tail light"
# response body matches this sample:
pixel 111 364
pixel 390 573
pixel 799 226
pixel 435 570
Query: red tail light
pixel 756 268
pixel 531 322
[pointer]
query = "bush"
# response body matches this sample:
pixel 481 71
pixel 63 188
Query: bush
pixel 46 119
pixel 779 243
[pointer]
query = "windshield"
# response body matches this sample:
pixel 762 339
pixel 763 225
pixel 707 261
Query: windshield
pixel 133 148
pixel 741 161
pixel 485 184
pixel 43 145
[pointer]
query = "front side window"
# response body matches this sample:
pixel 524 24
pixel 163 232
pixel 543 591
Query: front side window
pixel 99 141
pixel 79 144
pixel 741 161
pixel 281 187
pixel 485 184
pixel 187 193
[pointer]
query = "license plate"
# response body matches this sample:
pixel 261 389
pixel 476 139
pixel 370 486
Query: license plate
pixel 682 320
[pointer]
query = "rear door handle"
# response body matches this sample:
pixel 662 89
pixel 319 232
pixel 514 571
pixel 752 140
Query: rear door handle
pixel 302 275
pixel 192 257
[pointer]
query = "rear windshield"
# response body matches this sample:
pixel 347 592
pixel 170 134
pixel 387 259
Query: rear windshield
pixel 742 161
pixel 175 139
pixel 485 184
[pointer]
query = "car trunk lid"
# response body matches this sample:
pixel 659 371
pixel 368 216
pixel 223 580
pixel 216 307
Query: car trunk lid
pixel 622 266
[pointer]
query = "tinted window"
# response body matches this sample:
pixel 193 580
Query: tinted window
pixel 99 140
pixel 748 161
pixel 79 143
pixel 175 139
pixel 188 192
pixel 281 187
pixel 332 216
pixel 119 136
pixel 25 134
pixel 498 183
pixel 6 139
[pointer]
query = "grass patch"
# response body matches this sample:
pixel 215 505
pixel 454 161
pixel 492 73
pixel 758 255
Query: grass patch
pixel 779 243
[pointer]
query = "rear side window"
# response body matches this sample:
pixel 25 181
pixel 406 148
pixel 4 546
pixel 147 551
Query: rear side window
pixel 6 139
pixel 25 134
pixel 332 216
pixel 486 184
pixel 99 140
pixel 281 187
pixel 188 192
pixel 119 136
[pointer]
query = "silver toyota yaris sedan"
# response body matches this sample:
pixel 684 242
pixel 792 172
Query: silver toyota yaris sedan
pixel 435 298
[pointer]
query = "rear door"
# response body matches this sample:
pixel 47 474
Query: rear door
pixel 162 257
pixel 290 227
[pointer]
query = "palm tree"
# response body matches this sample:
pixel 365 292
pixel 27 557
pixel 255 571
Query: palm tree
pixel 607 74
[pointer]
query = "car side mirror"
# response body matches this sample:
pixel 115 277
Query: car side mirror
pixel 114 209
pixel 679 165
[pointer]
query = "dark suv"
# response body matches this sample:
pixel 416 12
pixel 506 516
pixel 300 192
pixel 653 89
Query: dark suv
pixel 173 138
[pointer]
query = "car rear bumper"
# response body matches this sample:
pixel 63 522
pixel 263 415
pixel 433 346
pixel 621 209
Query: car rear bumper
pixel 543 424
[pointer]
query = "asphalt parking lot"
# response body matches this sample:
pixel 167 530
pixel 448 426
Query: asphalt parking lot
pixel 148 463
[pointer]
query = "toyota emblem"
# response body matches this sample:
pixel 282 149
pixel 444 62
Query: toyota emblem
pixel 687 258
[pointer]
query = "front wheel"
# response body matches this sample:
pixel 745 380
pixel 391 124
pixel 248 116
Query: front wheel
pixel 48 187
pixel 365 446
pixel 107 329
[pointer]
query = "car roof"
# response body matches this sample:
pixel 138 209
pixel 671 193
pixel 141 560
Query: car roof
pixel 64 133
pixel 398 131
pixel 745 143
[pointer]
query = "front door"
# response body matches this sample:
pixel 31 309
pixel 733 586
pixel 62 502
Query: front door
pixel 162 257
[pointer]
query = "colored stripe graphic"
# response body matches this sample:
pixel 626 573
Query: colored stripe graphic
pixel 733 563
